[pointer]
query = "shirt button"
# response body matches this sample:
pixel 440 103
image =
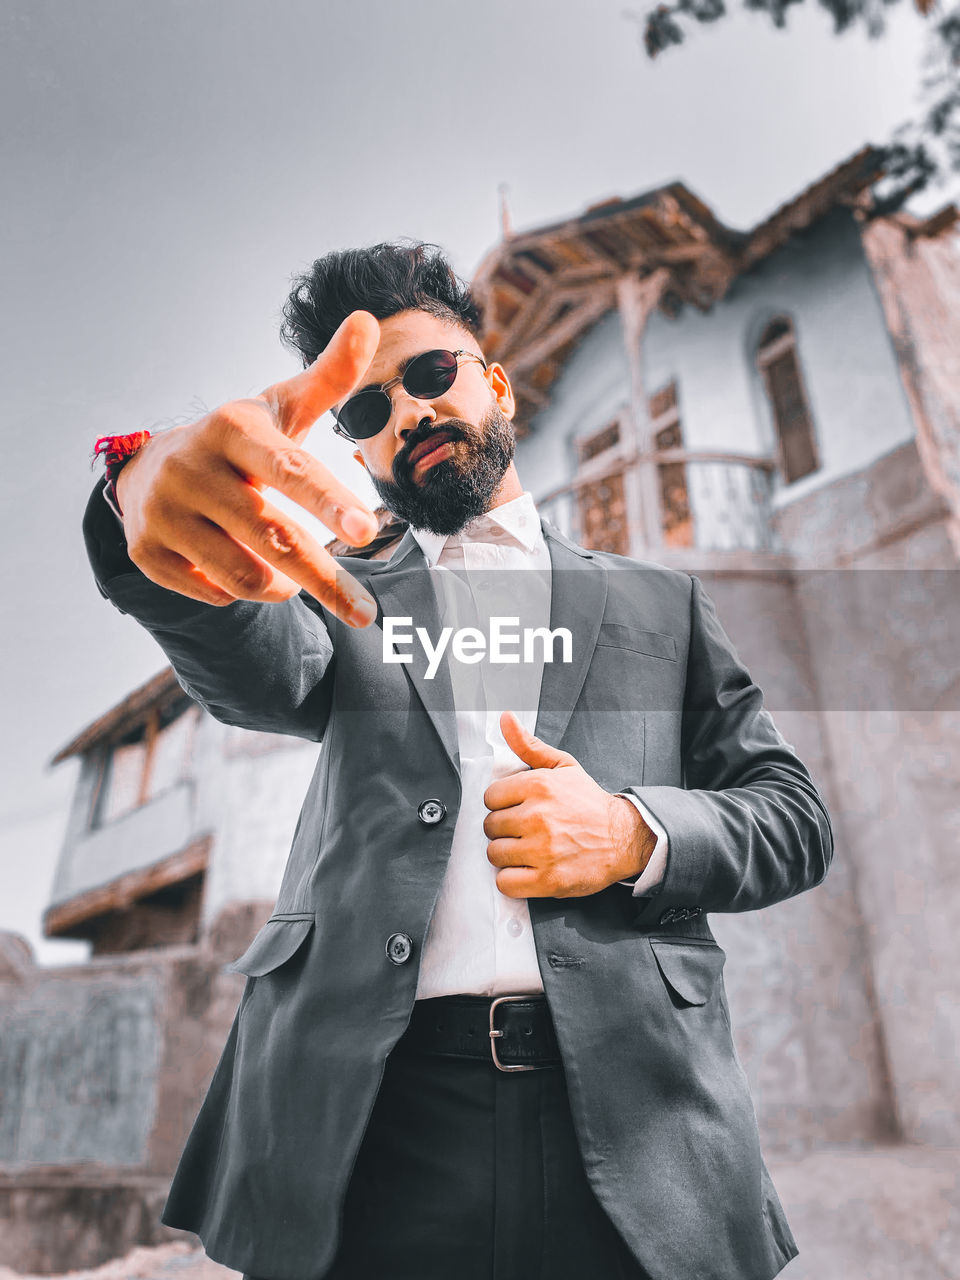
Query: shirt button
pixel 514 927
pixel 399 948
pixel 431 812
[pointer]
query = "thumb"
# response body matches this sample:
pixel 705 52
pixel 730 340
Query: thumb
pixel 299 401
pixel 537 754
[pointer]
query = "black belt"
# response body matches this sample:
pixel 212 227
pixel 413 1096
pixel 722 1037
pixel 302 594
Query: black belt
pixel 514 1032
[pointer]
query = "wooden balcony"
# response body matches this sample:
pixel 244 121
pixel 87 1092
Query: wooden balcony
pixel 703 506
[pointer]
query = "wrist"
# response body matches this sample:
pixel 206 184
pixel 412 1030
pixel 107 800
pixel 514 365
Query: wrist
pixel 632 840
pixel 121 481
pixel 117 452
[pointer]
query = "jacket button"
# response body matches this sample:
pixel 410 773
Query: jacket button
pixel 432 812
pixel 668 916
pixel 399 948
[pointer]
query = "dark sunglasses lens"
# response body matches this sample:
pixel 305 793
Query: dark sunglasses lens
pixel 431 374
pixel 365 414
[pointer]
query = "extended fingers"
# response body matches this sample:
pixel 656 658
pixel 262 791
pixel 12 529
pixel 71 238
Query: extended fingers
pixel 290 560
pixel 169 569
pixel 205 504
pixel 300 400
pixel 276 540
pixel 230 564
pixel 263 454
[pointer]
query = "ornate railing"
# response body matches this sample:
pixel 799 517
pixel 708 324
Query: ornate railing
pixel 674 499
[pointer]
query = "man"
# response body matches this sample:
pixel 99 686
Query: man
pixel 380 1108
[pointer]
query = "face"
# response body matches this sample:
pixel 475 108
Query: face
pixel 472 469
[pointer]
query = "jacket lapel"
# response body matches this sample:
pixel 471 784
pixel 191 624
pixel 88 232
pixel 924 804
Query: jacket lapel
pixel 577 601
pixel 403 588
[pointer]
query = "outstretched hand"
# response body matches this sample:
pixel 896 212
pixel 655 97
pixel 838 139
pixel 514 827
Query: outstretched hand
pixel 553 831
pixel 194 515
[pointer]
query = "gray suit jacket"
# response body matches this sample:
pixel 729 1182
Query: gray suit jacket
pixel 656 703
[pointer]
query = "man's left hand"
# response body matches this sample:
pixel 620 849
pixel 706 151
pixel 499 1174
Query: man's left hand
pixel 554 832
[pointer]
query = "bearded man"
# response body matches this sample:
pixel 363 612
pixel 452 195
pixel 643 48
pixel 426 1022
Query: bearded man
pixel 485 1032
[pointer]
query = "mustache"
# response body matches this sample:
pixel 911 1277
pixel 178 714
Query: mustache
pixel 455 429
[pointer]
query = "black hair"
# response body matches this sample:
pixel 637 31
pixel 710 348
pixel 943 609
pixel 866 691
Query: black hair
pixel 383 279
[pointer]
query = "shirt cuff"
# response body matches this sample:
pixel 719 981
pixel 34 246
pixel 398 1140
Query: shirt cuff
pixel 653 873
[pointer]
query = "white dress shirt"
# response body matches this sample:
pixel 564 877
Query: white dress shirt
pixel 479 940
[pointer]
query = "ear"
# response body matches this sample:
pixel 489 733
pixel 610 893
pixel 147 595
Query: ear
pixel 358 456
pixel 496 376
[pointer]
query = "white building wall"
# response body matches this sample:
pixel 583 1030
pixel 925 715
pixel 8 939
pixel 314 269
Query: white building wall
pixel 821 280
pixel 262 781
pixel 590 392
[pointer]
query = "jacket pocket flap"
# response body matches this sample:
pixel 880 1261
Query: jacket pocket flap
pixel 273 946
pixel 691 969
pixel 653 643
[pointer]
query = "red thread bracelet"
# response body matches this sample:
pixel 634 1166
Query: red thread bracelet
pixel 116 452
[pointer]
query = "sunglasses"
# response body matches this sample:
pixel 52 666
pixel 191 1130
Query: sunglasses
pixel 425 378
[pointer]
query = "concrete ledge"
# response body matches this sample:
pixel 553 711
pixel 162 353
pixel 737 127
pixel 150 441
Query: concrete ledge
pixel 180 1260
pixel 50 1226
pixel 881 1213
pixel 872 1213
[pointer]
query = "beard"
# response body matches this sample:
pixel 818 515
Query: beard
pixel 457 489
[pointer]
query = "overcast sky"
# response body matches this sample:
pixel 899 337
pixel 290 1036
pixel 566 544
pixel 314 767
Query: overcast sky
pixel 170 163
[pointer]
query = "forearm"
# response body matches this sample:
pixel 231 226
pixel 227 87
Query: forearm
pixel 650 845
pixel 748 828
pixel 742 848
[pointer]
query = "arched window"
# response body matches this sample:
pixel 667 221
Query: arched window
pixel 783 382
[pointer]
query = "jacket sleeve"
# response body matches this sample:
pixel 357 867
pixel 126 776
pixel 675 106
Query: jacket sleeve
pixel 260 666
pixel 748 827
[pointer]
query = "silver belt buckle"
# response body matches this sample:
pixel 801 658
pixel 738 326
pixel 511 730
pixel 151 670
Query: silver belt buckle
pixel 495 1034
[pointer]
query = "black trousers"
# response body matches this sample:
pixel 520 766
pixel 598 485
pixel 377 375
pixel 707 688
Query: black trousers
pixel 469 1173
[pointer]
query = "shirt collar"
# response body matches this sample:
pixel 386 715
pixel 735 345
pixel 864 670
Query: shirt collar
pixel 518 517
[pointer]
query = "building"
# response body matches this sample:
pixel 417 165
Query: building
pixel 775 410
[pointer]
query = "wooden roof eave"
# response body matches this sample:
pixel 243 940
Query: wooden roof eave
pixel 123 717
pixel 563 331
pixel 538 314
pixel 844 184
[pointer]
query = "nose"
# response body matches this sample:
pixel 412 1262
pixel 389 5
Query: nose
pixel 409 412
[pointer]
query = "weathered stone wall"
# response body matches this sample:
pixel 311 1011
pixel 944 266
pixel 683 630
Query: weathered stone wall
pixel 882 632
pixel 79 1056
pixel 797 973
pixel 870 513
pixel 64 1220
pixel 918 282
pixel 102 1069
